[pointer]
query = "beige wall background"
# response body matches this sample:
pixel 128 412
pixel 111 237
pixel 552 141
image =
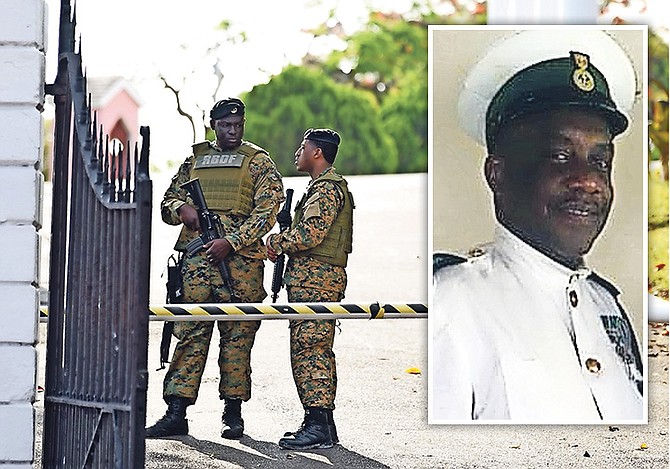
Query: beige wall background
pixel 462 212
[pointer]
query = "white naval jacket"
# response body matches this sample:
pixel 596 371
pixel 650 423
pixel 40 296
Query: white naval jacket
pixel 521 337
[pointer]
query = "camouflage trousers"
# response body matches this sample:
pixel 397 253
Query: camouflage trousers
pixel 203 284
pixel 312 356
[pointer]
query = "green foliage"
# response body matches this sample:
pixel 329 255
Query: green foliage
pixel 658 61
pixel 385 50
pixel 389 59
pixel 374 92
pixel 404 116
pixel 658 68
pixel 298 98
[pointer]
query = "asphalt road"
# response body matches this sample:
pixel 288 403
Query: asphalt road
pixel 381 414
pixel 381 409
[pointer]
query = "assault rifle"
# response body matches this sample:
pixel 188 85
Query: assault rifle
pixel 175 294
pixel 284 219
pixel 210 229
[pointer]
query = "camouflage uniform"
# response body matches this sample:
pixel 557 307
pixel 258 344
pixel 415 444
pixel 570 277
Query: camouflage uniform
pixel 311 280
pixel 203 284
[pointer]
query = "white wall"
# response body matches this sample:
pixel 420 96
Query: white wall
pixel 22 43
pixel 542 11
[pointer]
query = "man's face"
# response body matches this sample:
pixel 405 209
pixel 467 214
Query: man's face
pixel 554 184
pixel 229 131
pixel 303 156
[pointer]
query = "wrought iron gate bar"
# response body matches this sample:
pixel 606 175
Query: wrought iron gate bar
pixel 96 377
pixel 103 407
pixel 91 441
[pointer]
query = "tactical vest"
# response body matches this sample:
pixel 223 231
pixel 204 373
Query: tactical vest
pixel 224 177
pixel 337 244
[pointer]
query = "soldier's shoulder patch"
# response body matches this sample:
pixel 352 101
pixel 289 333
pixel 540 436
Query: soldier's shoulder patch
pixel 312 206
pixel 443 259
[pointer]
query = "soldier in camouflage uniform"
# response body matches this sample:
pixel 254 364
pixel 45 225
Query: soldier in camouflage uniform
pixel 317 245
pixel 241 184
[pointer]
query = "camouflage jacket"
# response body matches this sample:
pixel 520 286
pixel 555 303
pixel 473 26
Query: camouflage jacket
pixel 305 271
pixel 243 233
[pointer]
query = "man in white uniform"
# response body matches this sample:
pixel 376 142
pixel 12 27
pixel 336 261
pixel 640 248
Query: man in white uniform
pixel 522 329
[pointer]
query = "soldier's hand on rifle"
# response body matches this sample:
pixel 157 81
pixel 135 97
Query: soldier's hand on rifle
pixel 284 218
pixel 189 217
pixel 272 254
pixel 218 249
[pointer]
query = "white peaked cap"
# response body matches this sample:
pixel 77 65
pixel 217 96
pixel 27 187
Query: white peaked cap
pixel 513 54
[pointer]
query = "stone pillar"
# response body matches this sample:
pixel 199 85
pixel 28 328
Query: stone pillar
pixel 22 58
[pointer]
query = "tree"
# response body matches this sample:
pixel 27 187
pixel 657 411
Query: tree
pixel 299 98
pixel 658 101
pixel 404 116
pixel 388 58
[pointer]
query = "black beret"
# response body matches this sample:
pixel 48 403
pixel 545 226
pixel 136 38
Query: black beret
pixel 566 82
pixel 322 135
pixel 226 107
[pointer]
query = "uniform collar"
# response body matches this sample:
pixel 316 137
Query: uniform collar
pixel 516 252
pixel 328 170
pixel 217 147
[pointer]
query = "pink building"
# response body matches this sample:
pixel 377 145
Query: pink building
pixel 117 105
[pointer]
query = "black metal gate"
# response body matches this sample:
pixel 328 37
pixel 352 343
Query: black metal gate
pixel 96 376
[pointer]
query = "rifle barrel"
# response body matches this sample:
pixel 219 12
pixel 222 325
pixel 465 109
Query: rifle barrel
pixel 278 273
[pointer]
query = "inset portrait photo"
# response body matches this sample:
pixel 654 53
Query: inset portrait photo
pixel 538 225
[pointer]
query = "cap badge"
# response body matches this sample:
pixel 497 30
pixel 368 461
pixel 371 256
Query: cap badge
pixel 581 77
pixel 234 110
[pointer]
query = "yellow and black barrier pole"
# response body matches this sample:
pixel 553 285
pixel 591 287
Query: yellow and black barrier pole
pixel 261 311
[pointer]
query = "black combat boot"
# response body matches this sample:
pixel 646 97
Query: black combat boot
pixel 314 433
pixel 331 427
pixel 233 425
pixel 174 422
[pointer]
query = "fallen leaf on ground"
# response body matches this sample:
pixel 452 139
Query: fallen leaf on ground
pixel 413 371
pixel 644 446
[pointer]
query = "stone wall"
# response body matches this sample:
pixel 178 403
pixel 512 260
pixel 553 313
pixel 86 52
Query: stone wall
pixel 22 58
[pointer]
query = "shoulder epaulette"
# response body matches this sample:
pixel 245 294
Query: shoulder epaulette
pixel 614 291
pixel 202 148
pixel 442 259
pixel 251 149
